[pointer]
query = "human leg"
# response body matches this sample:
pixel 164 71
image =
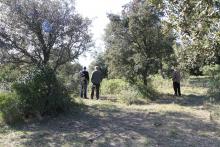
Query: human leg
pixel 85 90
pixel 175 88
pixel 178 89
pixel 93 89
pixel 81 90
pixel 97 91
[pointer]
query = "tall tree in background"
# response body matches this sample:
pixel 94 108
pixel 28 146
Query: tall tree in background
pixel 101 62
pixel 40 32
pixel 197 25
pixel 136 44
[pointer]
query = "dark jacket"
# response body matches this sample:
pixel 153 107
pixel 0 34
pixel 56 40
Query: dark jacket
pixel 84 75
pixel 96 77
pixel 176 76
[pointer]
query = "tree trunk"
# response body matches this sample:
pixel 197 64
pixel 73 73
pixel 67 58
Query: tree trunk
pixel 218 59
pixel 145 81
pixel 161 70
pixel 46 58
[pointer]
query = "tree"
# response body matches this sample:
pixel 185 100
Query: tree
pixel 39 32
pixel 136 43
pixel 100 61
pixel 43 35
pixel 196 23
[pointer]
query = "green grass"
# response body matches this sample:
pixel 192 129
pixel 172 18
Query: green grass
pixel 193 85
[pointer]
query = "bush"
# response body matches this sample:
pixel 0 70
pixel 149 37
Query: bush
pixel 214 90
pixel 39 91
pixel 69 74
pixel 147 91
pixel 131 96
pixel 113 86
pixel 8 74
pixel 210 70
pixel 125 92
pixel 9 107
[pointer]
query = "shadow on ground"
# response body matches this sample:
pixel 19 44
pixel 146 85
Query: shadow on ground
pixel 103 126
pixel 184 100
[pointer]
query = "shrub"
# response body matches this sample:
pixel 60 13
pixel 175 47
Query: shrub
pixel 210 70
pixel 147 91
pixel 131 96
pixel 8 74
pixel 113 86
pixel 39 91
pixel 214 90
pixel 69 74
pixel 157 80
pixel 126 92
pixel 9 107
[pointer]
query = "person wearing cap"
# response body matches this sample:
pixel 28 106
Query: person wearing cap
pixel 84 81
pixel 96 80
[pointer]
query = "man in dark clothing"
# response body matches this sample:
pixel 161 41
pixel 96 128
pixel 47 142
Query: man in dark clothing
pixel 96 80
pixel 84 81
pixel 176 82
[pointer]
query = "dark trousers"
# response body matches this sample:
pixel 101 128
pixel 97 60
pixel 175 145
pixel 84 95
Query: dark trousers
pixel 176 87
pixel 83 89
pixel 95 87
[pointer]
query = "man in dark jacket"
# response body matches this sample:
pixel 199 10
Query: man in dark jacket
pixel 176 82
pixel 96 80
pixel 84 81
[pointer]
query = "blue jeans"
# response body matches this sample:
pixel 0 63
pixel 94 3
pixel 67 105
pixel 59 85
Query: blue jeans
pixel 83 89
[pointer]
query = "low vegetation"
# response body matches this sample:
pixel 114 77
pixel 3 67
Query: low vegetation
pixel 36 93
pixel 167 121
pixel 40 42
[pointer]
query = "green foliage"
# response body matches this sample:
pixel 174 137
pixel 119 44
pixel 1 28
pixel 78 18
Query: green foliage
pixel 147 91
pixel 159 80
pixel 56 44
pixel 9 107
pixel 113 86
pixel 101 63
pixel 39 91
pixel 214 90
pixel 69 74
pixel 136 44
pixel 8 74
pixel 125 92
pixel 210 70
pixel 197 26
pixel 130 96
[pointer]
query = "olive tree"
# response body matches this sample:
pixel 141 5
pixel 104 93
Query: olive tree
pixel 38 32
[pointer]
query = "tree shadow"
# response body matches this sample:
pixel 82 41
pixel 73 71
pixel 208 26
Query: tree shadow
pixel 184 100
pixel 112 127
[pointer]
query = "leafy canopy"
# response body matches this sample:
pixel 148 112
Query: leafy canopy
pixel 39 32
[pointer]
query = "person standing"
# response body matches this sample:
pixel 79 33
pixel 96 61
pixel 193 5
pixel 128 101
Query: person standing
pixel 96 80
pixel 176 82
pixel 84 81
